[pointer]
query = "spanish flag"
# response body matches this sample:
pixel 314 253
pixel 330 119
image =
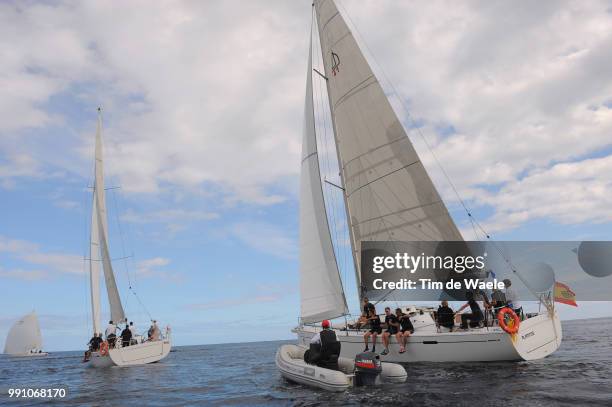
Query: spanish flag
pixel 564 294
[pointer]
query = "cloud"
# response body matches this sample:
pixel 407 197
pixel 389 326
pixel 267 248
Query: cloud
pixel 168 216
pixel 567 193
pixel 261 294
pixel 499 91
pixel 266 238
pixel 180 112
pixel 30 253
pixel 21 274
pixel 151 268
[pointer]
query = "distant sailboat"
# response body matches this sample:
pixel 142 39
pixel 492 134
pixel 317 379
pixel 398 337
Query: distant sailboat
pixel 24 338
pixel 146 351
pixel 388 196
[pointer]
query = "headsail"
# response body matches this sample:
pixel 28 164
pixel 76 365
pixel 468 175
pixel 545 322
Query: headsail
pixel 100 251
pixel 388 193
pixel 94 268
pixel 24 336
pixel 322 296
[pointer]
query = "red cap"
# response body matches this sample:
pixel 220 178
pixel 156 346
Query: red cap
pixel 325 324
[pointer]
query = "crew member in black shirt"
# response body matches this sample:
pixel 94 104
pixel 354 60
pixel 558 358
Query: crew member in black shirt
pixel 445 316
pixel 393 325
pixel 368 306
pixel 375 330
pixel 475 316
pixel 126 336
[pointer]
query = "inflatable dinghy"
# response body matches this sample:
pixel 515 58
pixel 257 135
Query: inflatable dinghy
pixel 290 363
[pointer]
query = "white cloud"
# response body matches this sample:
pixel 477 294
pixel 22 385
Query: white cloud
pixel 568 193
pixel 168 216
pixel 208 96
pixel 30 253
pixel 154 267
pixel 194 92
pixel 266 238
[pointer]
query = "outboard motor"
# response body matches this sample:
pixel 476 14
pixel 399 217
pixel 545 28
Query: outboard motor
pixel 367 368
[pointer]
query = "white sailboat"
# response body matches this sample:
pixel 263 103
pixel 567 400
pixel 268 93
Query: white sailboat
pixel 145 351
pixel 388 196
pixel 24 338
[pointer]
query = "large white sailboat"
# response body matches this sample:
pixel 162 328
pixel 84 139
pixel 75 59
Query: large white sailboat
pixel 24 338
pixel 145 350
pixel 388 196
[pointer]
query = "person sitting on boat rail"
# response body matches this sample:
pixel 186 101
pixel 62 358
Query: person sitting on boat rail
pixel 512 299
pixel 375 330
pixel 406 328
pixel 445 316
pixel 324 348
pixel 475 317
pixel 94 343
pixel 392 323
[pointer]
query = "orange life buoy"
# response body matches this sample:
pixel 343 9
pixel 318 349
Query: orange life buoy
pixel 104 348
pixel 511 326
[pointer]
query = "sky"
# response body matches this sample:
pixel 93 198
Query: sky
pixel 202 108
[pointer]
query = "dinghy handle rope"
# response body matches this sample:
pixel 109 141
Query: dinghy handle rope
pixel 473 221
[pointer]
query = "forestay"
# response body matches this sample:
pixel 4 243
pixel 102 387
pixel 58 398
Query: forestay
pixel 388 193
pixel 322 296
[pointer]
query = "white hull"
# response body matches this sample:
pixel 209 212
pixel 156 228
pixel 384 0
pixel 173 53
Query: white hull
pixel 537 338
pixel 143 353
pixel 290 363
pixel 28 355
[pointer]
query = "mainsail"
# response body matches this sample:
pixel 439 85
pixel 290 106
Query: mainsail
pixel 322 296
pixel 99 244
pixel 24 336
pixel 388 193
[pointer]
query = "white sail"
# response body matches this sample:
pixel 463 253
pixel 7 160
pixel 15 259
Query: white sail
pixel 94 269
pixel 388 193
pixel 24 336
pixel 322 296
pixel 99 243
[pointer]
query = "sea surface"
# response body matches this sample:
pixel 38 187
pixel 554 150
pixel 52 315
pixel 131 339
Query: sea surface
pixel 578 374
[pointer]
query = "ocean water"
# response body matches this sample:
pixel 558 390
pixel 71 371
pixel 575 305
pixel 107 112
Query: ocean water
pixel 578 374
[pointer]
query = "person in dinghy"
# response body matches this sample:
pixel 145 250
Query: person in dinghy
pixel 324 348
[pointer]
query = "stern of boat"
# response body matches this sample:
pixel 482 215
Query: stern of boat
pixel 538 337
